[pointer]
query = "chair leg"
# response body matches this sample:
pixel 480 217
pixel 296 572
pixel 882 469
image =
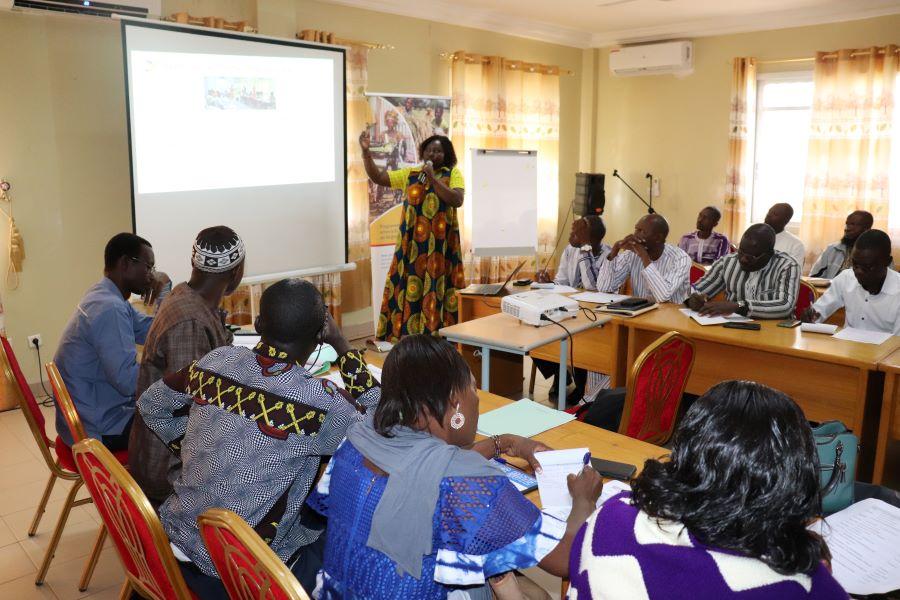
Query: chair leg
pixel 531 381
pixel 92 561
pixel 42 506
pixel 57 533
pixel 127 590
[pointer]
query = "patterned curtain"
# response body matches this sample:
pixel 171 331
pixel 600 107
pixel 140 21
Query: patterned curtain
pixel 742 126
pixel 350 290
pixel 848 166
pixel 498 103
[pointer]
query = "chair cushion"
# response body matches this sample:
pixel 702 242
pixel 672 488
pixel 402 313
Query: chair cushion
pixel 67 460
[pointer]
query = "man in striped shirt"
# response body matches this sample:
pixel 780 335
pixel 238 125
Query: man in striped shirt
pixel 658 271
pixel 758 280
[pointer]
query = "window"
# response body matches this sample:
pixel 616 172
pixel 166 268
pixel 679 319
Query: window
pixel 783 107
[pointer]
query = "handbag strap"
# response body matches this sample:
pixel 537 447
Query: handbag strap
pixel 837 470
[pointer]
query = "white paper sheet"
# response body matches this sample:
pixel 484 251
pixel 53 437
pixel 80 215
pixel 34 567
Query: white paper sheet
pixel 610 489
pixel 246 341
pixel 552 287
pixel 818 328
pixel 864 540
pixel 862 335
pixel 556 466
pixel 599 297
pixel 702 320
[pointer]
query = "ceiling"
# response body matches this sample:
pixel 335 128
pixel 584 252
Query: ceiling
pixel 597 23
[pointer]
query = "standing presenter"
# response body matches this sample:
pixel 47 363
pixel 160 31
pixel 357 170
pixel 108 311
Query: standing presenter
pixel 420 294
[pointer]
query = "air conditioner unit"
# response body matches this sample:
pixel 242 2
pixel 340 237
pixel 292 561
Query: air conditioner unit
pixel 129 8
pixel 666 58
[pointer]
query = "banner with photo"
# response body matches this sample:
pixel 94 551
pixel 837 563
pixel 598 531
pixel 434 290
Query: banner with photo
pixel 398 125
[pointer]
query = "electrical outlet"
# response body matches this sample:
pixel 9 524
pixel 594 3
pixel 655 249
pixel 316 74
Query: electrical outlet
pixel 36 338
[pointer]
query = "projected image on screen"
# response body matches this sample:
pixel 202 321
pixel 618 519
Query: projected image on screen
pixel 239 93
pixel 240 121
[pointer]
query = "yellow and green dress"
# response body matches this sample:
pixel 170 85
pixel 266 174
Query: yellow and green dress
pixel 427 270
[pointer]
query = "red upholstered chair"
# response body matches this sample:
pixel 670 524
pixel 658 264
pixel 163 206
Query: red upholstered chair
pixel 247 566
pixel 655 386
pixel 806 295
pixel 150 567
pixel 58 458
pixel 697 271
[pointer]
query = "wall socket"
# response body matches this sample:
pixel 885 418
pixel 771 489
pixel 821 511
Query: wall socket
pixel 35 338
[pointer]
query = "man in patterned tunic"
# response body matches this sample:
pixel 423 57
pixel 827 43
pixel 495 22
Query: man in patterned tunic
pixel 251 428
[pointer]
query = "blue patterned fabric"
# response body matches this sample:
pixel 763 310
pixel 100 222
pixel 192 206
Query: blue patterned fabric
pixel 482 527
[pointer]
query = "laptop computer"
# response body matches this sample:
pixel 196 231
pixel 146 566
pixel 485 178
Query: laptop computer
pixel 491 289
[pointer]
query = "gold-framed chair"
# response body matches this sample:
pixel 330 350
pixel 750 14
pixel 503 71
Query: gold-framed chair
pixel 655 386
pixel 150 567
pixel 58 458
pixel 249 569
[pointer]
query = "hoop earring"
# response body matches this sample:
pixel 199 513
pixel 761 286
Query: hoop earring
pixel 458 419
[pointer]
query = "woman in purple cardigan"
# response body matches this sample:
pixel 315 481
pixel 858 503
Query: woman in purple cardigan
pixel 723 518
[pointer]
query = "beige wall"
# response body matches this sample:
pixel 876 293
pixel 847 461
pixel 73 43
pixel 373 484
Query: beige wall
pixel 678 128
pixel 64 142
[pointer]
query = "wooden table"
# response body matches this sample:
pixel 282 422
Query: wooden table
pixel 889 426
pixel 827 377
pixel 504 333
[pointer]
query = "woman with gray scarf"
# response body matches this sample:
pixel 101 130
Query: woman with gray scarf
pixel 415 508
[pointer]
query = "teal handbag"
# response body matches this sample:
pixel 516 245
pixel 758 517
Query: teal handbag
pixel 837 448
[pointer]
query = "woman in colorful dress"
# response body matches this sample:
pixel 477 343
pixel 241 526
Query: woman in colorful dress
pixel 417 511
pixel 723 518
pixel 426 271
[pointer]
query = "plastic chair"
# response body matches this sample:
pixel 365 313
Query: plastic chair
pixel 806 295
pixel 655 386
pixel 58 458
pixel 150 567
pixel 697 271
pixel 247 566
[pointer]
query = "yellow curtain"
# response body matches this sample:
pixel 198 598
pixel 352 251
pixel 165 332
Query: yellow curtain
pixel 848 166
pixel 498 103
pixel 350 290
pixel 742 125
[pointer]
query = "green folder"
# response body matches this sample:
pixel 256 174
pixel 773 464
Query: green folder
pixel 525 418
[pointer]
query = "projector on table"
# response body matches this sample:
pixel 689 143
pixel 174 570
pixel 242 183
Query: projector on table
pixel 530 307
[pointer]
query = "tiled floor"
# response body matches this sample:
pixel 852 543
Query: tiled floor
pixel 23 476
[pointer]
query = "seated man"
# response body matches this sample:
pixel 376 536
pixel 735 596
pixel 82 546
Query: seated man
pixel 758 280
pixel 778 218
pixel 836 257
pixel 251 428
pixel 658 271
pixel 706 246
pixel 578 267
pixel 187 326
pixel 869 290
pixel 96 357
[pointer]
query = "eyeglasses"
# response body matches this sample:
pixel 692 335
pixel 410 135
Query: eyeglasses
pixel 151 268
pixel 751 257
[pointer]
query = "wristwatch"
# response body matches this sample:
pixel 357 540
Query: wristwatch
pixel 743 308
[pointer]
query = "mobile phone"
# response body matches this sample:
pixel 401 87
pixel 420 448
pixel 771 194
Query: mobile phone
pixel 748 326
pixel 523 481
pixel 613 469
pixel 789 323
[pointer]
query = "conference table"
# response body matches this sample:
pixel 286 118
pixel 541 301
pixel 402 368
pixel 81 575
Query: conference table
pixel 889 430
pixel 829 378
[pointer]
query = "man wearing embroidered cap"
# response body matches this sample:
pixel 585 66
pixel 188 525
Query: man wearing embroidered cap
pixel 188 325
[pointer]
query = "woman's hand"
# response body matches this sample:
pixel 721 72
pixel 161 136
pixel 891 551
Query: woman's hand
pixel 364 141
pixel 586 486
pixel 521 447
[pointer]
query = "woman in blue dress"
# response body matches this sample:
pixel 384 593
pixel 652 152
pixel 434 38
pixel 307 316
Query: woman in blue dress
pixel 416 510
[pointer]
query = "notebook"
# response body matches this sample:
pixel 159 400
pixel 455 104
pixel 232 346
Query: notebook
pixel 525 418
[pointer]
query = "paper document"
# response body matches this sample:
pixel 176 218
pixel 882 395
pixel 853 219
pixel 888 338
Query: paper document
pixel 862 335
pixel 246 341
pixel 599 297
pixel 864 540
pixel 818 328
pixel 610 489
pixel 703 320
pixel 553 486
pixel 525 418
pixel 555 288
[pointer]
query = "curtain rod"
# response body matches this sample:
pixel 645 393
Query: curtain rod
pixel 829 56
pixel 511 64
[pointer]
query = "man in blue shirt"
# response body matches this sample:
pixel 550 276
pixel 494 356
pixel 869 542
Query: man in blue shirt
pixel 96 356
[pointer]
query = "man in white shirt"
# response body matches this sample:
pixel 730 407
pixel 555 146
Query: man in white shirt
pixel 658 271
pixel 778 218
pixel 868 290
